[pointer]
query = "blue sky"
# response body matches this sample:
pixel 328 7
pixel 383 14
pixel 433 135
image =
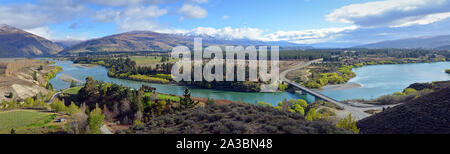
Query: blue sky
pixel 330 23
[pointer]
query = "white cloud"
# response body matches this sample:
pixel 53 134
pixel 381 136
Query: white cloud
pixel 29 15
pixel 114 2
pixel 122 3
pixel 132 18
pixel 225 17
pixel 192 11
pixel 422 20
pixel 309 36
pixel 42 32
pixel 394 13
pixel 230 33
pixel 301 37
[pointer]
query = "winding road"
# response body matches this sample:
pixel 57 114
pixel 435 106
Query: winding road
pixel 54 96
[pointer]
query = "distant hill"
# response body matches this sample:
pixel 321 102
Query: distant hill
pixel 152 41
pixel 428 114
pixel 67 43
pixel 15 42
pixel 436 42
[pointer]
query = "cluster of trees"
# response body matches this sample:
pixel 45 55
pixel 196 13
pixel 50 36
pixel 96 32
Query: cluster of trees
pixel 447 71
pixel 299 106
pixel 119 102
pixel 342 75
pixel 52 73
pixel 60 107
pixel 244 86
pixel 327 55
pixel 408 94
pixel 126 68
pixel 35 102
pixel 82 121
pixel 126 105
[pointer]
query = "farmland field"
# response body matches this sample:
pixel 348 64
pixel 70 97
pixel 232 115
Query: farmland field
pixel 25 121
pixel 166 97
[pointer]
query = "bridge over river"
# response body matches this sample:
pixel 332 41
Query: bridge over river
pixel 358 113
pixel 304 90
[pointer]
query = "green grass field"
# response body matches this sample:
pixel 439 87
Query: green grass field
pixel 73 90
pixel 149 60
pixel 23 120
pixel 166 97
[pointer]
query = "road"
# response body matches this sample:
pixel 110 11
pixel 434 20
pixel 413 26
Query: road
pixel 54 96
pixel 357 113
pixel 104 129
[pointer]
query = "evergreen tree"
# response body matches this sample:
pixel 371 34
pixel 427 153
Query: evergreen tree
pixel 73 84
pixel 11 95
pixel 35 77
pixel 186 102
pixel 49 86
pixel 72 109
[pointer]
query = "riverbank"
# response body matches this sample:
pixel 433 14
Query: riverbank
pixel 69 79
pixel 84 65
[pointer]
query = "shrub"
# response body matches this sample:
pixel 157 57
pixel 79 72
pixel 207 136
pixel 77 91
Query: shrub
pixel 348 123
pixel 214 117
pixel 210 102
pixel 408 91
pixel 96 120
pixel 11 95
pixel 264 104
pixel 57 106
pixel 72 109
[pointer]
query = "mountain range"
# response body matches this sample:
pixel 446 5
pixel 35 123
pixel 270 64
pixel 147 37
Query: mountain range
pixel 15 42
pixel 434 42
pixel 152 41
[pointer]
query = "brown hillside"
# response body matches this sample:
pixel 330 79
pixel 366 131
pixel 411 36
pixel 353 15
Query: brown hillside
pixel 15 42
pixel 429 114
pixel 131 41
